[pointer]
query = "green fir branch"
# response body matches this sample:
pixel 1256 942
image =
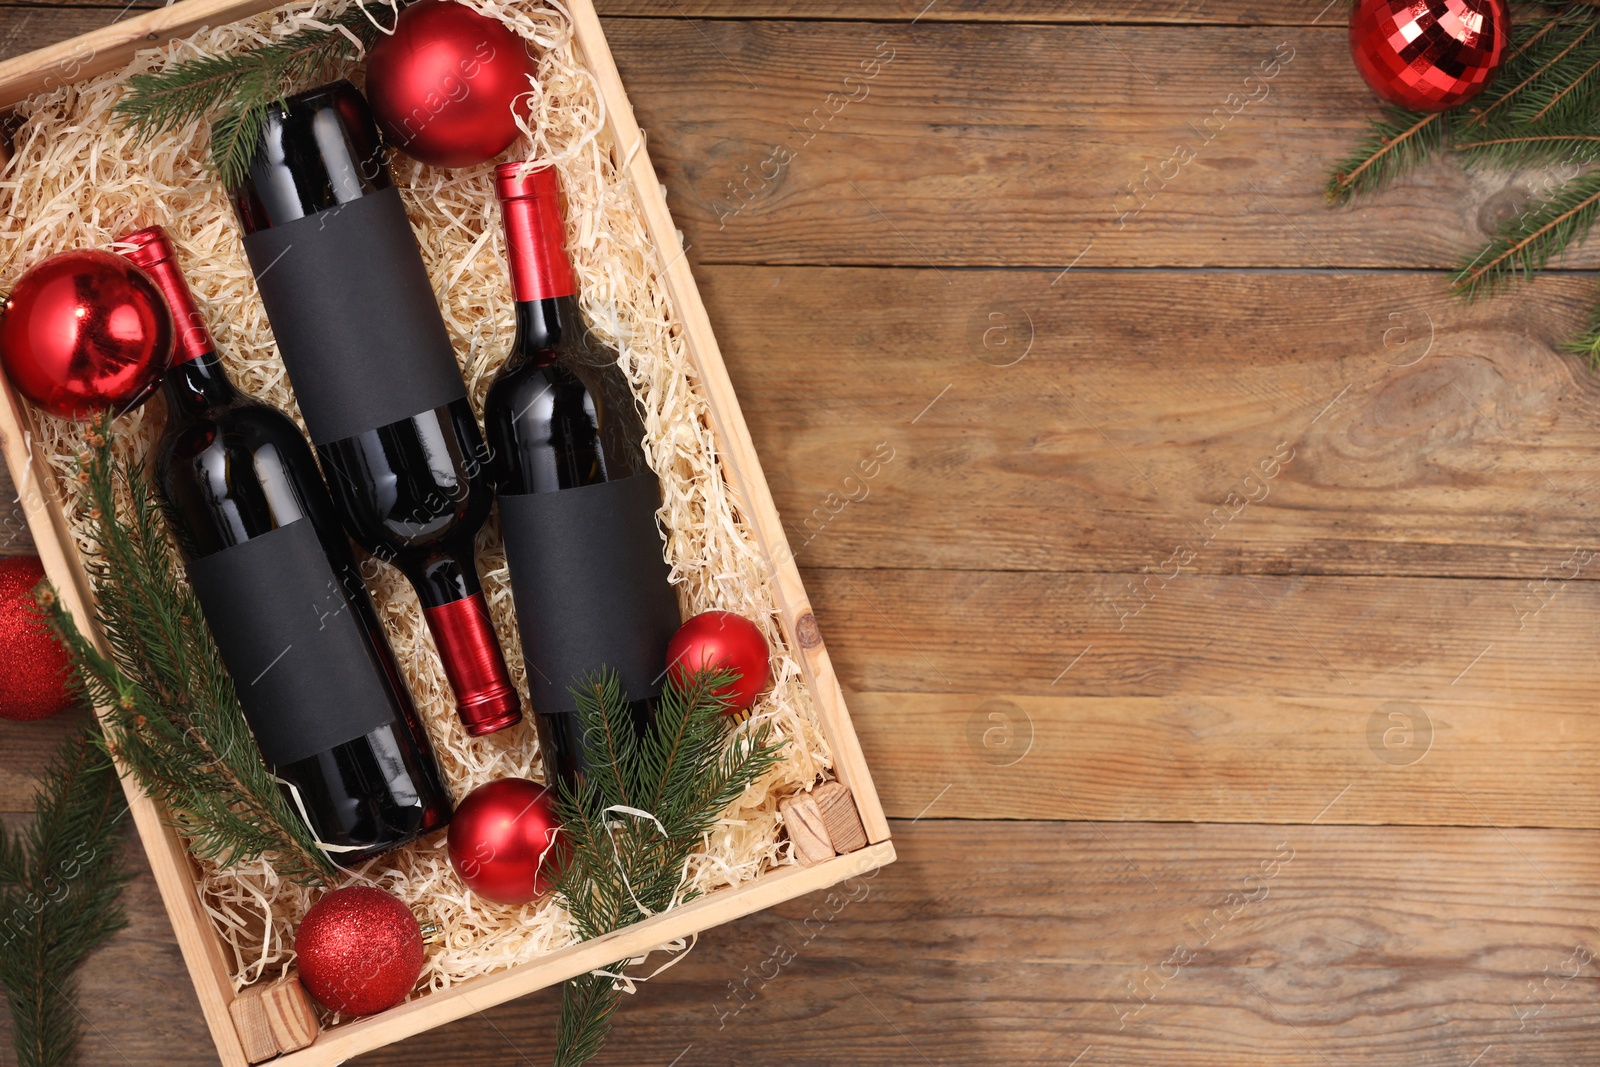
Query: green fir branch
pixel 60 883
pixel 1402 140
pixel 238 88
pixel 1396 144
pixel 619 868
pixel 172 715
pixel 1587 343
pixel 1534 237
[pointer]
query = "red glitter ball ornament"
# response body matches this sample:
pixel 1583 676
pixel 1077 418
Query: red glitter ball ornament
pixel 34 684
pixel 724 640
pixel 505 842
pixel 84 331
pixel 442 85
pixel 1429 55
pixel 360 951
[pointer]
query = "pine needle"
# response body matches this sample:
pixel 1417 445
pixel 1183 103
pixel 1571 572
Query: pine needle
pixel 238 89
pixel 60 880
pixel 1399 142
pixel 1533 238
pixel 173 717
pixel 620 868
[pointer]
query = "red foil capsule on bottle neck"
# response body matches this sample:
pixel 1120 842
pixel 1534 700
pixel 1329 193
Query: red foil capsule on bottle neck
pixel 153 253
pixel 536 238
pixel 485 700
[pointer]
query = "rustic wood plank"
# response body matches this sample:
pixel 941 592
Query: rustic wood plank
pixel 23 29
pixel 954 160
pixel 134 996
pixel 1225 699
pixel 1377 946
pixel 1210 636
pixel 25 748
pixel 1244 12
pixel 1362 946
pixel 936 151
pixel 1100 420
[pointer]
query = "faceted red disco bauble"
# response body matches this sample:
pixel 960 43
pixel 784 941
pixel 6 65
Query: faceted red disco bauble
pixel 359 951
pixel 443 84
pixel 84 331
pixel 1429 55
pixel 34 684
pixel 722 639
pixel 504 841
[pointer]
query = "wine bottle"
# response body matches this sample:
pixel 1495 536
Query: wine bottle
pixel 360 332
pixel 577 499
pixel 279 588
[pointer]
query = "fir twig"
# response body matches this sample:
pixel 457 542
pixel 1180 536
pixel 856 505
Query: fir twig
pixel 239 88
pixel 1533 238
pixel 60 880
pixel 1399 142
pixel 621 868
pixel 173 717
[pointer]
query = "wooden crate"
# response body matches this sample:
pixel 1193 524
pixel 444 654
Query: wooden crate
pixel 108 49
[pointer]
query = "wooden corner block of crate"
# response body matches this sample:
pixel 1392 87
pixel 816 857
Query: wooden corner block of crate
pixel 802 817
pixel 840 816
pixel 274 1019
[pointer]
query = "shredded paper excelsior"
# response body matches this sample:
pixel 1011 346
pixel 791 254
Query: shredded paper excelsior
pixel 79 181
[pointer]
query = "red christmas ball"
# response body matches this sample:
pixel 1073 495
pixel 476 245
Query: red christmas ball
pixel 34 684
pixel 1432 56
pixel 505 842
pixel 443 84
pixel 360 951
pixel 729 641
pixel 84 331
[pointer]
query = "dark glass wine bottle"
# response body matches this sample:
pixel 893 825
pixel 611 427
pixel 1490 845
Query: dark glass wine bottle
pixel 359 329
pixel 577 499
pixel 281 592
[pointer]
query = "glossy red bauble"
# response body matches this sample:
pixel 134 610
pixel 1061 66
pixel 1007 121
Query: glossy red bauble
pixel 728 641
pixel 85 331
pixel 505 841
pixel 359 951
pixel 34 684
pixel 1429 56
pixel 442 86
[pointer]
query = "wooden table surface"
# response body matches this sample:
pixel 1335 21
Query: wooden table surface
pixel 1222 632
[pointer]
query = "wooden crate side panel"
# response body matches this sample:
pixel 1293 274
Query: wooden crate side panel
pixel 169 860
pixel 742 466
pixel 111 46
pixel 436 1009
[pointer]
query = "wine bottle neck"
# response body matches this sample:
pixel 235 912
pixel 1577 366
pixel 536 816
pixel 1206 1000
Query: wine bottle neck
pixel 536 249
pixel 196 385
pixel 444 579
pixel 544 326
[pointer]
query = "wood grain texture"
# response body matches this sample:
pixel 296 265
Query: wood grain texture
pixel 1017 942
pixel 1101 420
pixel 1228 699
pixel 994 943
pixel 946 156
pixel 1229 12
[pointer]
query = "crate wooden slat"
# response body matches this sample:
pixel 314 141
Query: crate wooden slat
pixel 107 49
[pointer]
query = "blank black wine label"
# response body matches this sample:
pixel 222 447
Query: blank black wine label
pixel 355 317
pixel 300 658
pixel 591 587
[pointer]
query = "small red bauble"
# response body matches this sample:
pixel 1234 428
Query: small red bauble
pixel 443 84
pixel 34 684
pixel 1429 56
pixel 504 840
pixel 728 641
pixel 360 951
pixel 85 331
